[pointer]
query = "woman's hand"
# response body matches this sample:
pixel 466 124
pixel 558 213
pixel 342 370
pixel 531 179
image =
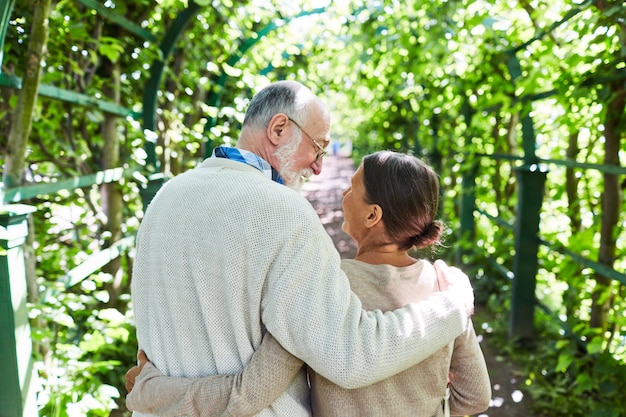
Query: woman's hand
pixel 133 372
pixel 457 282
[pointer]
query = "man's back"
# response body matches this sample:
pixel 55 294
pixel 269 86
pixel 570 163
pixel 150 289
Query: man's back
pixel 205 247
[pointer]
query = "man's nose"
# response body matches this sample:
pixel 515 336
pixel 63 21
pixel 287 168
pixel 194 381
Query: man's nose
pixel 317 166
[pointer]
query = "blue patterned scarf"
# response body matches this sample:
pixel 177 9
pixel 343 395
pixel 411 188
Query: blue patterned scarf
pixel 249 158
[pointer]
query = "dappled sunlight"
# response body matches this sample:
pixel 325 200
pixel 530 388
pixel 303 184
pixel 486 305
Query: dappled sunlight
pixel 498 404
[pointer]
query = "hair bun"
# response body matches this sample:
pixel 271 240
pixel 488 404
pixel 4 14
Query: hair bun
pixel 429 235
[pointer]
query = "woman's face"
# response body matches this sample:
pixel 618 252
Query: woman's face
pixel 355 207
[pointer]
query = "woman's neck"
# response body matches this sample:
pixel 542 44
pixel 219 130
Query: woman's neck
pixel 387 254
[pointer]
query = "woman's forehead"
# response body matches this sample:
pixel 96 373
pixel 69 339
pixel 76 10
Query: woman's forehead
pixel 358 175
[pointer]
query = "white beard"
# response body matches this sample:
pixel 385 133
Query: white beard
pixel 286 156
pixel 295 180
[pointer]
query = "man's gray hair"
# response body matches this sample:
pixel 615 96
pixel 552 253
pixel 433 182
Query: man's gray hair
pixel 278 98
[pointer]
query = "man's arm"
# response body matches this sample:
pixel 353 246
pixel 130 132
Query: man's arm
pixel 309 308
pixel 263 379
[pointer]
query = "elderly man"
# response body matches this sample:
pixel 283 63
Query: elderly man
pixel 229 250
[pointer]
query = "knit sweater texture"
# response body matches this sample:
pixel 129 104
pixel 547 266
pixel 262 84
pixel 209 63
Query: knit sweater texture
pixel 224 253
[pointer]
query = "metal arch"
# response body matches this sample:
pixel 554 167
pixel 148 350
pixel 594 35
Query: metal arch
pixel 6 7
pixel 152 85
pixel 156 74
pixel 214 99
pixel 119 20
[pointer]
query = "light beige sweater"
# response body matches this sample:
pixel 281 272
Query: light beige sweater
pixel 224 253
pixel 419 390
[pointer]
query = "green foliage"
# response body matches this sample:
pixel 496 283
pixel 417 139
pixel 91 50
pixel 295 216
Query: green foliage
pixel 85 350
pixel 433 78
pixel 584 376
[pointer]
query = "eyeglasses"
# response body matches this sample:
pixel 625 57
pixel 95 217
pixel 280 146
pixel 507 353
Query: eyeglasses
pixel 322 152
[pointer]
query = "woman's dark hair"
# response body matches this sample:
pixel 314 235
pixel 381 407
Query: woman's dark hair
pixel 407 189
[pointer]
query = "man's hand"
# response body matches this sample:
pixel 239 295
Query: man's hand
pixel 453 279
pixel 133 372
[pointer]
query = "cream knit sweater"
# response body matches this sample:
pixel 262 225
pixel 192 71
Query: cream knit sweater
pixel 223 252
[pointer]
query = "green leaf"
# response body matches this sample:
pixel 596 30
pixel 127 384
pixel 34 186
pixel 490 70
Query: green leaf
pixel 111 48
pixel 595 345
pixel 565 359
pixel 607 387
pixel 583 382
pixel 231 71
pixel 561 344
pixel 63 319
pixel 92 342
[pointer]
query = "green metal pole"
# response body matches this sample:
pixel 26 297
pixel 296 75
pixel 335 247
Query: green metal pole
pixel 167 47
pixel 17 392
pixel 467 226
pixel 153 85
pixel 531 180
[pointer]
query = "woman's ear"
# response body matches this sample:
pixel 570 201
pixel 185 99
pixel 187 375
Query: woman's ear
pixel 276 129
pixel 374 215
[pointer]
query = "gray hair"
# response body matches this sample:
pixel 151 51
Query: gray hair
pixel 277 98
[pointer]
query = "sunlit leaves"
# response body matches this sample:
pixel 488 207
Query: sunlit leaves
pixel 565 359
pixel 111 48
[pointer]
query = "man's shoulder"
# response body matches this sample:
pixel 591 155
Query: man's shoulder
pixel 226 163
pixel 251 185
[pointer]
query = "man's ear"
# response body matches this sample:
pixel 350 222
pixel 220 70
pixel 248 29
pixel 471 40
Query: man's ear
pixel 276 129
pixel 374 215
